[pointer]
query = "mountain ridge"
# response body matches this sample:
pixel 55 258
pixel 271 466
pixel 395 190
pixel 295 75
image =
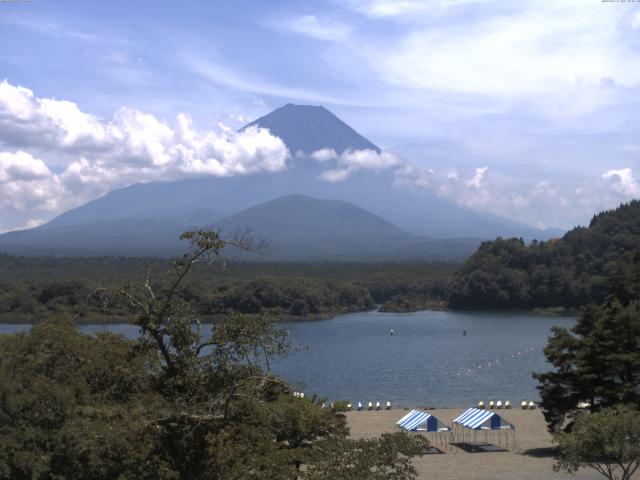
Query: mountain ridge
pixel 296 226
pixel 158 209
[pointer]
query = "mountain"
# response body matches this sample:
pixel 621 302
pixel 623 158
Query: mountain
pixel 300 227
pixel 139 218
pixel 586 265
pixel 305 128
pixel 295 227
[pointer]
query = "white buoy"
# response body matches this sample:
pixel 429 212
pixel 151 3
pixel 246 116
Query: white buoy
pixel 301 394
pixel 349 406
pixel 507 404
pixel 359 406
pixel 388 405
pixel 481 404
pixel 532 405
pixel 524 404
pixel 377 405
pixel 370 406
pixel 491 404
pixel 499 404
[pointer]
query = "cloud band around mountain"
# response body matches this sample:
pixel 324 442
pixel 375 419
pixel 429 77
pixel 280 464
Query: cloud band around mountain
pixel 54 156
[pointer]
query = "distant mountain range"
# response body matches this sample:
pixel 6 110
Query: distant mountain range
pixel 294 227
pixel 364 217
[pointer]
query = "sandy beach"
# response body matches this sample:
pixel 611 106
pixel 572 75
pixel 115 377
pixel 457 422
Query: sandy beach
pixel 531 459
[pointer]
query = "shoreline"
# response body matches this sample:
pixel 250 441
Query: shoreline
pixel 209 319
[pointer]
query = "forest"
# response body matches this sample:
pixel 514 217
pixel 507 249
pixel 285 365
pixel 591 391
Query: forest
pixel 32 288
pixel 177 402
pixel 587 265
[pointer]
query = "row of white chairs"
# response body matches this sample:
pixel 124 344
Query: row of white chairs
pixel 360 407
pixel 507 404
pixel 370 406
pixel 492 404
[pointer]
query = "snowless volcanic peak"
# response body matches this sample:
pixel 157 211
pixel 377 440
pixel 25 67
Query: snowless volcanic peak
pixel 308 128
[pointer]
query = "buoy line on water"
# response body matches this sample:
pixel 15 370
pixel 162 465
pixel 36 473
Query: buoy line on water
pixel 503 360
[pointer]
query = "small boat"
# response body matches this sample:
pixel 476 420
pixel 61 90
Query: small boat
pixel 392 332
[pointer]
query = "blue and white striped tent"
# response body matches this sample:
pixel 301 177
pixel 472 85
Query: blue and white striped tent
pixel 477 419
pixel 495 429
pixel 423 422
pixel 418 421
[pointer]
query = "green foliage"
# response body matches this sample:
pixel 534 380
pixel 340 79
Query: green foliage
pixel 387 458
pixel 411 302
pixel 75 405
pixel 607 441
pixel 290 297
pixel 586 265
pixel 182 402
pixel 35 288
pixel 597 361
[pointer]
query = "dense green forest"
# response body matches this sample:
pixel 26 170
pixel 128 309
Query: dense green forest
pixel 32 288
pixel 587 265
pixel 175 403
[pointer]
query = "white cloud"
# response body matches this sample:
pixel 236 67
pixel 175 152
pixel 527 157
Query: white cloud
pixel 477 181
pixel 397 8
pixel 473 192
pixel 53 156
pixel 412 176
pixel 520 202
pixel 622 181
pixel 367 159
pixel 507 50
pixel 311 26
pixel 353 160
pixel 222 75
pixel 324 155
pixel 27 184
pixel 335 175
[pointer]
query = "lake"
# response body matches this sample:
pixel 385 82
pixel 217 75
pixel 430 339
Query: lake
pixel 427 362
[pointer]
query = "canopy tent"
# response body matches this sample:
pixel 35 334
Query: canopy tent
pixel 419 421
pixel 495 429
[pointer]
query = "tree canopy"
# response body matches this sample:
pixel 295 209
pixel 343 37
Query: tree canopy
pixel 595 362
pixel 585 266
pixel 607 442
pixel 184 401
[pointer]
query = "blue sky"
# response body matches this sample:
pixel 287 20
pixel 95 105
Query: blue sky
pixel 527 108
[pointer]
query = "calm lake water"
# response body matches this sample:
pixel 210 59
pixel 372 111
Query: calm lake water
pixel 427 362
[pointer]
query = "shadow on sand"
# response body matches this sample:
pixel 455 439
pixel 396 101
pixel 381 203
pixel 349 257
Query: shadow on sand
pixel 479 447
pixel 546 452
